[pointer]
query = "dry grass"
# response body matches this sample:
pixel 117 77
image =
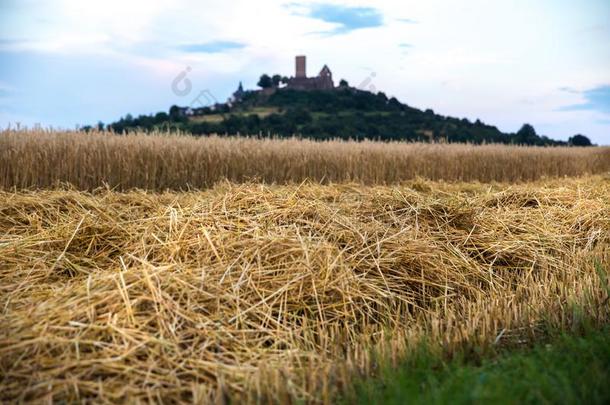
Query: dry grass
pixel 41 160
pixel 272 293
pixel 261 112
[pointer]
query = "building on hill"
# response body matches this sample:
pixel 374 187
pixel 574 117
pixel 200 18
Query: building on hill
pixel 239 93
pixel 300 81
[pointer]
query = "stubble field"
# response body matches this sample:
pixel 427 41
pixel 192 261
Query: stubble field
pixel 270 280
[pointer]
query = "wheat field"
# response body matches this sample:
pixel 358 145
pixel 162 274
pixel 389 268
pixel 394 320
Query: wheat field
pixel 40 159
pixel 279 293
pixel 175 269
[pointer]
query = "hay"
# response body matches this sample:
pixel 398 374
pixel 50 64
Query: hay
pixel 276 293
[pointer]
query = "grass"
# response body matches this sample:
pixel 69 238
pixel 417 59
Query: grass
pixel 208 118
pixel 38 159
pixel 321 114
pixel 568 369
pixel 262 112
pixel 276 293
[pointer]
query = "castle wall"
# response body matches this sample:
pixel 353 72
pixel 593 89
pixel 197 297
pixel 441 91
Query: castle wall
pixel 310 83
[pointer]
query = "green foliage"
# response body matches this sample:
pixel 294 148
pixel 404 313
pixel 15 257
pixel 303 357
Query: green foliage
pixel 344 112
pixel 265 81
pixel 276 80
pixel 579 140
pixel 526 136
pixel 569 370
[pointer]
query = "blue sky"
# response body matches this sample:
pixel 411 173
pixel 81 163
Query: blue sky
pixel 67 62
pixel 345 18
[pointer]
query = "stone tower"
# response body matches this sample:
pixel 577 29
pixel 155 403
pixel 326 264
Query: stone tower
pixel 301 67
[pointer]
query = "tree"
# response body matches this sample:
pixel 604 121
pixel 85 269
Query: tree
pixel 265 82
pixel 161 117
pixel 526 136
pixel 579 140
pixel 176 114
pixel 394 103
pixel 174 111
pixel 298 116
pixel 276 79
pixel 343 83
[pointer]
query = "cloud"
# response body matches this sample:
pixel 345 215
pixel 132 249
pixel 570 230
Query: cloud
pixel 8 42
pixel 569 90
pixel 12 44
pixel 405 48
pixel 407 21
pixel 596 99
pixel 346 18
pixel 5 90
pixel 211 47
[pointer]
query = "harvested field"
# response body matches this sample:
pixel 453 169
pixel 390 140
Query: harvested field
pixel 37 159
pixel 278 292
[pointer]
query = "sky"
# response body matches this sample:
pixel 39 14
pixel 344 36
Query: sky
pixel 65 63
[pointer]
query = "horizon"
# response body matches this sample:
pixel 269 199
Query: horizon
pixel 507 63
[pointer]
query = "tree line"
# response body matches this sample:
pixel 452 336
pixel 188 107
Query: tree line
pixel 343 113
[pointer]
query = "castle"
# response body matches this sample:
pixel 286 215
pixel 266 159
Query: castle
pixel 300 81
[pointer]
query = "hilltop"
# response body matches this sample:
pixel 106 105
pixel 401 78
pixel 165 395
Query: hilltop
pixel 345 113
pixel 313 107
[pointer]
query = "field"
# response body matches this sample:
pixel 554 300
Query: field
pixel 87 161
pixel 261 112
pixel 173 269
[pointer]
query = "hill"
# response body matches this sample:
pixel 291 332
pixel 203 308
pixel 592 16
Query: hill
pixel 343 112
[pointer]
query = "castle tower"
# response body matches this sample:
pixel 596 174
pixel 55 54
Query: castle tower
pixel 301 68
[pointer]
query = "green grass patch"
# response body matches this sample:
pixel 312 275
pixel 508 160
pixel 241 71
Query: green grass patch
pixel 568 369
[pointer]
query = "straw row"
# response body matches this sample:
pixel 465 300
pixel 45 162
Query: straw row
pixel 275 293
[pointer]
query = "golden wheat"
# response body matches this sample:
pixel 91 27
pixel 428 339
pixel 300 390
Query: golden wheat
pixel 38 159
pixel 276 293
